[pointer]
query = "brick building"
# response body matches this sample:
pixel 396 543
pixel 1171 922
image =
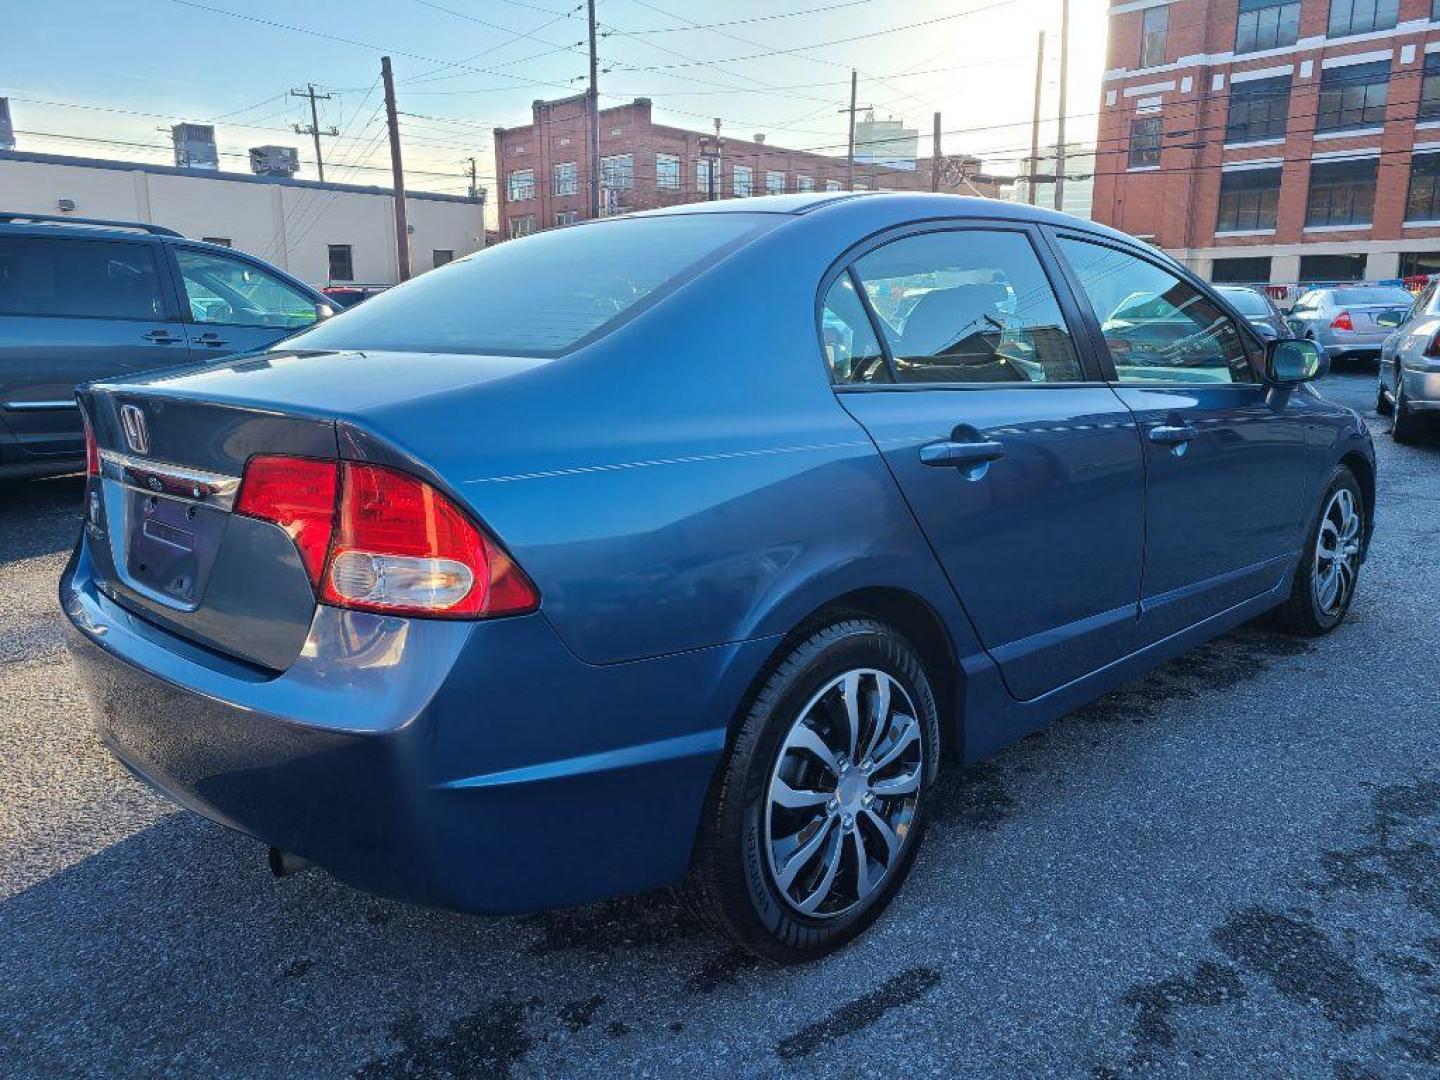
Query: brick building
pixel 1275 140
pixel 544 173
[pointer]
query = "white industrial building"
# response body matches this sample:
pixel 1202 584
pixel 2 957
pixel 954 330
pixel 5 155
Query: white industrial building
pixel 322 233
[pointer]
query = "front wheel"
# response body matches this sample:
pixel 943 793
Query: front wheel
pixel 1330 567
pixel 817 814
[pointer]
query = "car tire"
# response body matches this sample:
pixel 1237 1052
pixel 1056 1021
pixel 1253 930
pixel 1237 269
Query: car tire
pixel 752 876
pixel 1311 610
pixel 1404 424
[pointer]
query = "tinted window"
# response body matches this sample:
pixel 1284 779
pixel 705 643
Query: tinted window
pixel 851 348
pixel 1157 327
pixel 1246 301
pixel 968 306
pixel 236 293
pixel 96 278
pixel 541 295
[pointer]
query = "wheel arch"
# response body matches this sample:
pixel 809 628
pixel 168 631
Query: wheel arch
pixel 1364 472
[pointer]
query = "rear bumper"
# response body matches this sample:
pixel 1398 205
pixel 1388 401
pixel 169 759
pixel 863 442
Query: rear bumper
pixel 478 766
pixel 1361 348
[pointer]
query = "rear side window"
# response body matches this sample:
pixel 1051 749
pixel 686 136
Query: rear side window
pixel 969 306
pixel 71 277
pixel 542 295
pixel 851 348
pixel 237 293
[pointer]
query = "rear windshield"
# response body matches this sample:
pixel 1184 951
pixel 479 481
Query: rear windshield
pixel 542 295
pixel 1246 301
pixel 1358 297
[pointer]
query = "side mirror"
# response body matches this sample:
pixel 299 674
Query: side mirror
pixel 323 312
pixel 1296 326
pixel 1293 361
pixel 1390 319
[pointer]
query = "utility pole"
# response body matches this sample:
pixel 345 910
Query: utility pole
pixel 477 192
pixel 1064 77
pixel 1035 119
pixel 402 228
pixel 314 130
pixel 850 156
pixel 594 104
pixel 710 150
pixel 935 156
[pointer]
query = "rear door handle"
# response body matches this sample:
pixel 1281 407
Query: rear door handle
pixel 1172 434
pixel 211 340
pixel 961 455
pixel 163 337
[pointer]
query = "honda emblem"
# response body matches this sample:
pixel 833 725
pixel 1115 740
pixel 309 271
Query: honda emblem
pixel 137 433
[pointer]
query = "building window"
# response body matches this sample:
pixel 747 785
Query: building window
pixel 523 225
pixel 1423 201
pixel 342 263
pixel 567 217
pixel 832 185
pixel 617 172
pixel 440 256
pixel 1249 200
pixel 1267 24
pixel 567 178
pixel 704 174
pixel 667 172
pixel 1430 87
pixel 1248 270
pixel 1258 110
pixel 1419 263
pixel 1353 96
pixel 1154 25
pixel 520 185
pixel 774 183
pixel 741 182
pixel 1341 192
pixel 222 241
pixel 804 183
pixel 1145 142
pixel 1362 16
pixel 1332 267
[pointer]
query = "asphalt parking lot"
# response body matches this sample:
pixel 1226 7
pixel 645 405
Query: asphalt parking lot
pixel 1229 867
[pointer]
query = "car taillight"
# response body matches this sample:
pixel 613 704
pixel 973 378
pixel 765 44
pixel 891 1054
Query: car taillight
pixel 1342 322
pixel 375 539
pixel 92 448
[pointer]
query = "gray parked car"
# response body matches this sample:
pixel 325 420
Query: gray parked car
pixel 1345 320
pixel 82 299
pixel 1259 310
pixel 1410 366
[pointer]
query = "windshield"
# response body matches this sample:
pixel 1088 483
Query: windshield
pixel 541 295
pixel 1378 297
pixel 1246 301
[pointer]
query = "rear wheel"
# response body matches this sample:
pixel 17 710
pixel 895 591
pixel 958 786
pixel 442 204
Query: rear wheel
pixel 1330 567
pixel 816 817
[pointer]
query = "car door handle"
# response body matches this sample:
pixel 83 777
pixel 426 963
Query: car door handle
pixel 961 455
pixel 1172 434
pixel 163 337
pixel 211 340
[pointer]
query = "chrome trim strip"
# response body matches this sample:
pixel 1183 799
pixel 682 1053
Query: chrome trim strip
pixel 173 481
pixel 38 406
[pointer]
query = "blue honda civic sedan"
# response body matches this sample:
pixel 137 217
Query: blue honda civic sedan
pixel 688 547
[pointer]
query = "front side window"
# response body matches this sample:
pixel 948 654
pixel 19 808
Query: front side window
pixel 667 172
pixel 1249 200
pixel 1422 202
pixel 852 351
pixel 1353 96
pixel 237 293
pixel 1362 16
pixel 1155 24
pixel 571 285
pixel 774 183
pixel 740 181
pixel 1267 24
pixel 617 173
pixel 567 178
pixel 520 185
pixel 96 278
pixel 1259 109
pixel 341 262
pixel 1145 142
pixel 969 306
pixel 1430 87
pixel 1341 193
pixel 1157 326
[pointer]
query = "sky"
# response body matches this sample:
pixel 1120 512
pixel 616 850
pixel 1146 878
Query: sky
pixel 105 78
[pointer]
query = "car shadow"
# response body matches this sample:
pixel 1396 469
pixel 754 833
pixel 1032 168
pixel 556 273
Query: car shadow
pixel 39 517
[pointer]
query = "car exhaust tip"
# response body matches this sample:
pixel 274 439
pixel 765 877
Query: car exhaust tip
pixel 283 864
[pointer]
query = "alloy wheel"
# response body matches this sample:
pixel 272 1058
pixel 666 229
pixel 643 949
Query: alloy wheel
pixel 1337 552
pixel 842 796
